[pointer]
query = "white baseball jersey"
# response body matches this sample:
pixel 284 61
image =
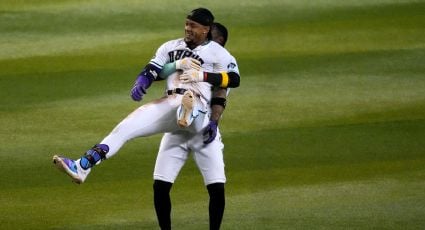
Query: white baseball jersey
pixel 213 57
pixel 160 116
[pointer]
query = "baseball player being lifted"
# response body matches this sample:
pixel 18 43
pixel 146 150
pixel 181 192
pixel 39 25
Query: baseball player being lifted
pixel 184 115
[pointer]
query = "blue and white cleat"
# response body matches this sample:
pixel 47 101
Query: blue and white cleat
pixel 72 168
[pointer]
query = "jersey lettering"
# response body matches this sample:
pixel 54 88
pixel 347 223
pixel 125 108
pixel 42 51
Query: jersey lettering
pixel 180 54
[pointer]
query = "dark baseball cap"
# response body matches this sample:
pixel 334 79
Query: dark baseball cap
pixel 202 16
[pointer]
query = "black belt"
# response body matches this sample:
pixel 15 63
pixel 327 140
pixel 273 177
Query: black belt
pixel 179 91
pixel 176 90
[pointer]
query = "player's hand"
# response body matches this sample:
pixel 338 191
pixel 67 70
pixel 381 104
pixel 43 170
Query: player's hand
pixel 139 88
pixel 210 132
pixel 190 76
pixel 188 63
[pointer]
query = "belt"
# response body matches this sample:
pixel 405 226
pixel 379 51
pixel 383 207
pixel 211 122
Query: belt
pixel 180 91
pixel 176 90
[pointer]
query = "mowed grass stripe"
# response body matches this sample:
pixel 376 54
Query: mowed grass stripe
pixel 363 83
pixel 18 46
pixel 81 28
pixel 370 204
pixel 285 156
pixel 381 202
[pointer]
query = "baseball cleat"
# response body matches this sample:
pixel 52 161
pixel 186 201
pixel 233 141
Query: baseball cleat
pixel 185 112
pixel 72 168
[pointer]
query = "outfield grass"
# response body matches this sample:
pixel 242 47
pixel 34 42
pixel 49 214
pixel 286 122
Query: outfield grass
pixel 326 130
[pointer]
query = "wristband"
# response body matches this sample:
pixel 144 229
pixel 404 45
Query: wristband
pixel 218 101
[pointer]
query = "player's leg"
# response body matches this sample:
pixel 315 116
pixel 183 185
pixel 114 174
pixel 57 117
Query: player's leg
pixel 172 155
pixel 209 159
pixel 162 203
pixel 78 170
pixel 155 117
pixel 216 204
pixel 152 118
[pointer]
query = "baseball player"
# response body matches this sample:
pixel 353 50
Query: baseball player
pixel 175 147
pixel 183 114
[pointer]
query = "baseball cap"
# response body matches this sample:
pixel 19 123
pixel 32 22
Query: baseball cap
pixel 202 16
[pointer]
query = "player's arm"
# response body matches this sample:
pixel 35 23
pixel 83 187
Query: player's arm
pixel 150 72
pixel 223 79
pixel 144 81
pixel 218 104
pixel 183 64
pixel 168 69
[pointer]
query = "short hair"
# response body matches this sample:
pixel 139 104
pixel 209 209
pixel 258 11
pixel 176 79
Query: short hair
pixel 222 31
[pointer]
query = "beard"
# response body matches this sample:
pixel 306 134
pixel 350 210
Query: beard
pixel 190 42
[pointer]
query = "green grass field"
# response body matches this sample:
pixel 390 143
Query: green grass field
pixel 326 131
